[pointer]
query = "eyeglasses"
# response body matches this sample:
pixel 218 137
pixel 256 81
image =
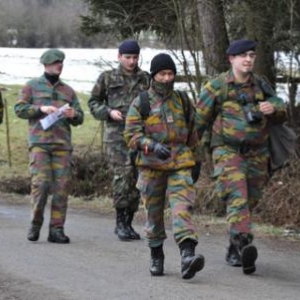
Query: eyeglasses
pixel 251 55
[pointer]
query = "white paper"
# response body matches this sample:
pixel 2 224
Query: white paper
pixel 53 117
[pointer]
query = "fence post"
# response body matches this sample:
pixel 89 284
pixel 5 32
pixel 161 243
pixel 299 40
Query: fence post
pixel 7 132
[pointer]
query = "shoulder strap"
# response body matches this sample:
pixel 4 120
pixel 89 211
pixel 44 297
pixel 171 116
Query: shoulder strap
pixel 265 85
pixel 224 87
pixel 145 105
pixel 186 104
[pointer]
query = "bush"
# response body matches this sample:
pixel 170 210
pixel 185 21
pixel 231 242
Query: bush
pixel 91 175
pixel 279 205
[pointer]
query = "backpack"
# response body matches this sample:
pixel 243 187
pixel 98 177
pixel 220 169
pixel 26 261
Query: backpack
pixel 282 139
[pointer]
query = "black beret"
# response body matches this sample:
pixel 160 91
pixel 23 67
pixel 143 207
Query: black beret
pixel 240 46
pixel 52 55
pixel 129 47
pixel 161 62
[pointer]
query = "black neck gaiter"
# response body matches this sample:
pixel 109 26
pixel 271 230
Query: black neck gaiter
pixel 164 89
pixel 51 78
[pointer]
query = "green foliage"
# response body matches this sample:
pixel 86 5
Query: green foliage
pixel 129 18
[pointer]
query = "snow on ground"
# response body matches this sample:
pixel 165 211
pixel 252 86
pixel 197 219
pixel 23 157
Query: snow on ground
pixel 83 66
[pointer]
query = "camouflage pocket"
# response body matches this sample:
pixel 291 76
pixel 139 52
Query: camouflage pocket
pixel 218 162
pixel 116 95
pixel 32 165
pixel 141 185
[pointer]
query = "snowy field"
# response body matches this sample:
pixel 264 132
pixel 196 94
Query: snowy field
pixel 81 67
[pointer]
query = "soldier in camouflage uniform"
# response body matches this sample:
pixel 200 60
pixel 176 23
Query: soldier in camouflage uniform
pixel 49 150
pixel 239 144
pixel 110 100
pixel 166 146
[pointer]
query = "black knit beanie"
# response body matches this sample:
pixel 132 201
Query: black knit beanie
pixel 161 62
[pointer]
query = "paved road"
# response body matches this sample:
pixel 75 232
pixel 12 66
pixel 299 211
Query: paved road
pixel 97 266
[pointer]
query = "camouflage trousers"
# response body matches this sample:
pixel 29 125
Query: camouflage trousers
pixel 125 193
pixel 177 188
pixel 240 183
pixel 50 171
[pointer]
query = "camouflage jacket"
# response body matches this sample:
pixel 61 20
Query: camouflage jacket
pixel 165 124
pixel 1 108
pixel 116 89
pixel 230 124
pixel 38 92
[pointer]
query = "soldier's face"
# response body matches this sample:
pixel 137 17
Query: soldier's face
pixel 164 76
pixel 244 62
pixel 55 68
pixel 129 61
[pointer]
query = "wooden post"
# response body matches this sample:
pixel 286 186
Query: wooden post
pixel 7 132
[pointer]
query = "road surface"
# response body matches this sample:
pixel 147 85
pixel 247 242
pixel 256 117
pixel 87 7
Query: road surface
pixel 97 266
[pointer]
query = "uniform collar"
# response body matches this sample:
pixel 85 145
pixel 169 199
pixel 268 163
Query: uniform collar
pixel 229 78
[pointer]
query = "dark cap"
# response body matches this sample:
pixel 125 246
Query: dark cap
pixel 129 47
pixel 162 61
pixel 240 46
pixel 51 56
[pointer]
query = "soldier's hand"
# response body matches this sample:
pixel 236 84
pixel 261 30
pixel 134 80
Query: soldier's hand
pixel 160 151
pixel 266 108
pixel 48 109
pixel 116 115
pixel 69 113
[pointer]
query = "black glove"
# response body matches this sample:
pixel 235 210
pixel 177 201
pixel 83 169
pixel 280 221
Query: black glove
pixel 196 171
pixel 160 151
pixel 133 154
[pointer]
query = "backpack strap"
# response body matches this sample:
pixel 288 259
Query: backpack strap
pixel 186 104
pixel 145 105
pixel 265 85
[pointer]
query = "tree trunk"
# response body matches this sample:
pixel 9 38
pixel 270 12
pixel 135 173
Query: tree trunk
pixel 214 35
pixel 260 25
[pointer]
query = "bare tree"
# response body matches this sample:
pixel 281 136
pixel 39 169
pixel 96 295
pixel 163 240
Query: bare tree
pixel 214 35
pixel 260 23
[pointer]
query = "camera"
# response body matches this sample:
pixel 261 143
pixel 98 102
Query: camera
pixel 254 117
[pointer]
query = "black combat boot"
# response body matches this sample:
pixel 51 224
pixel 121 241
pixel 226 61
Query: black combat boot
pixel 157 261
pixel 121 227
pixel 248 255
pixel 190 263
pixel 33 233
pixel 242 252
pixel 233 256
pixel 57 235
pixel 129 217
